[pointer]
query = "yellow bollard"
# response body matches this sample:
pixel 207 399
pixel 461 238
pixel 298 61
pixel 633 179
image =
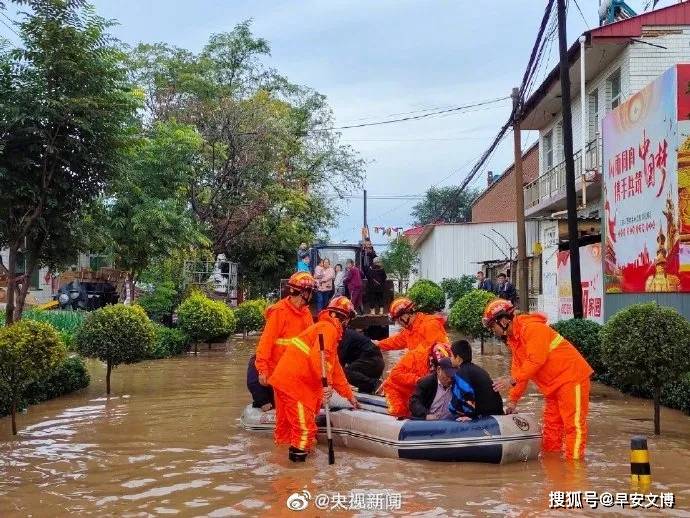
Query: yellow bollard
pixel 640 472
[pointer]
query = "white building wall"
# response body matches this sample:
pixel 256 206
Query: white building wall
pixel 451 251
pixel 548 300
pixel 647 62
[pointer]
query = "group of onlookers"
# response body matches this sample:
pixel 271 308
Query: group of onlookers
pixel 503 288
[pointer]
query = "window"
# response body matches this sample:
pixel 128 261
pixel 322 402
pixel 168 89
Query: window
pixel 593 115
pixel 615 86
pixel 547 150
pixel 559 153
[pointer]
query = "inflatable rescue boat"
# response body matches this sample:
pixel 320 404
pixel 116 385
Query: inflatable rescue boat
pixel 493 439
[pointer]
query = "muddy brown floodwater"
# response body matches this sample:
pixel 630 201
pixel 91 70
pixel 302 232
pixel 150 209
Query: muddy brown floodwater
pixel 168 442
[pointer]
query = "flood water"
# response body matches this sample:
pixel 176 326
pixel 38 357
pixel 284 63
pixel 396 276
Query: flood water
pixel 168 441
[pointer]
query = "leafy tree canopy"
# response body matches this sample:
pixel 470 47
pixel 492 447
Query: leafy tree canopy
pixel 444 205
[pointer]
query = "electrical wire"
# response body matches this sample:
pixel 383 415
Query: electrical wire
pixel 8 26
pixel 582 14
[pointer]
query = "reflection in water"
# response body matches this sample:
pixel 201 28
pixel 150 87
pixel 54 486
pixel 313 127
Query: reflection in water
pixel 169 442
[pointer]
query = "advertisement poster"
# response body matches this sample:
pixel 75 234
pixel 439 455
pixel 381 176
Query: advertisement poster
pixel 647 198
pixel 591 280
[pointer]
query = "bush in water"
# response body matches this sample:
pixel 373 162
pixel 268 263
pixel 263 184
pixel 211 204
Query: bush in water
pixel 168 342
pixel 203 319
pixel 116 334
pixel 427 296
pixel 584 334
pixel 68 376
pixel 466 315
pixel 28 352
pixel 250 315
pixel 647 344
pixel 455 288
pixel 159 304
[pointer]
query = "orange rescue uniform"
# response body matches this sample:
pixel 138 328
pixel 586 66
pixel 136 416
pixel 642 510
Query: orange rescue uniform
pixel 426 330
pixel 296 381
pixel 402 379
pixel 561 373
pixel 283 320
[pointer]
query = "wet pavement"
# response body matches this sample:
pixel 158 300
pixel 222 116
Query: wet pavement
pixel 168 441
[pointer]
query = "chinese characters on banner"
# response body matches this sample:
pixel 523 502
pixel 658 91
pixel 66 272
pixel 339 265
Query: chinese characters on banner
pixel 647 189
pixel 592 285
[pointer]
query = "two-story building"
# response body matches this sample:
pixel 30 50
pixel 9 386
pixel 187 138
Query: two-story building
pixel 619 60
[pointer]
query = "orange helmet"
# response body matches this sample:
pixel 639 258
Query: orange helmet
pixel 400 307
pixel 342 306
pixel 496 309
pixel 438 351
pixel 302 281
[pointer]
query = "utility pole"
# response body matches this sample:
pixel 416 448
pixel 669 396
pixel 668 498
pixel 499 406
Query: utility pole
pixel 521 277
pixel 571 196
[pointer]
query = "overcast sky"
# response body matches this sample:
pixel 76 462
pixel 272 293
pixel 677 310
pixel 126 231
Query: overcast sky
pixel 375 58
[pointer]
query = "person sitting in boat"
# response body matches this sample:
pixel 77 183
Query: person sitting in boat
pixel 558 369
pixel 361 360
pixel 418 329
pixel 432 397
pixel 473 391
pixel 296 378
pixel 402 380
pixel 288 317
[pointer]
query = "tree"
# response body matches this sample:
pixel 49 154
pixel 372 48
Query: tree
pixel 466 315
pixel 66 107
pixel 399 260
pixel 145 216
pixel 647 345
pixel 115 335
pixel 444 205
pixel 268 150
pixel 28 352
pixel 427 296
pixel 203 319
pixel 455 289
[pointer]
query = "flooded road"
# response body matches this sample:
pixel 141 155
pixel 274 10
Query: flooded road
pixel 168 442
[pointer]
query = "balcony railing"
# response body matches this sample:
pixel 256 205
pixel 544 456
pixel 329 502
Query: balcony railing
pixel 552 182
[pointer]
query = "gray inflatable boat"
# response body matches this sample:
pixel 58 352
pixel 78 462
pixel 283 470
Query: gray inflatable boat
pixel 494 439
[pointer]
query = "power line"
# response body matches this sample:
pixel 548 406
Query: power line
pixel 582 14
pixel 8 26
pixel 415 117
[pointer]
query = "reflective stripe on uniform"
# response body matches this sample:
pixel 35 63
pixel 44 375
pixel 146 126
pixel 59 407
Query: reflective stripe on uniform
pixel 303 426
pixel 294 342
pixel 578 428
pixel 556 342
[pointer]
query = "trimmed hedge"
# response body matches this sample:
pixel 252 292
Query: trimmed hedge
pixel 584 334
pixel 466 315
pixel 69 376
pixel 203 319
pixel 160 303
pixel 250 315
pixel 168 342
pixel 455 288
pixel 427 296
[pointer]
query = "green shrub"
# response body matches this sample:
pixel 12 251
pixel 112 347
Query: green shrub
pixel 69 376
pixel 455 288
pixel 466 315
pixel 203 319
pixel 427 296
pixel 647 344
pixel 168 342
pixel 677 394
pixel 66 321
pixel 584 334
pixel 250 315
pixel 115 335
pixel 29 351
pixel 160 303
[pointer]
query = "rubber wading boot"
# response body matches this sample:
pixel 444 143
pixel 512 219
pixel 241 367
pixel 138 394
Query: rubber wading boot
pixel 297 455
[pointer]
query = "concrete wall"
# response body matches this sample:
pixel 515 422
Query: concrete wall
pixel 548 300
pixel 617 301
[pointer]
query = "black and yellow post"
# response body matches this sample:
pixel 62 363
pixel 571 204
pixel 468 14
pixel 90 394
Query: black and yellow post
pixel 640 471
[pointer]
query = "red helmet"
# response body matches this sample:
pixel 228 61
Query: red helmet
pixel 496 309
pixel 342 306
pixel 302 281
pixel 400 307
pixel 438 351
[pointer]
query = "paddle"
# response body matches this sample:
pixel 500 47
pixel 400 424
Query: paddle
pixel 324 383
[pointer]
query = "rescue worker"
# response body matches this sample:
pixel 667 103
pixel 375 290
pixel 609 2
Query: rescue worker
pixel 418 329
pixel 560 372
pixel 402 380
pixel 296 379
pixel 362 361
pixel 288 317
